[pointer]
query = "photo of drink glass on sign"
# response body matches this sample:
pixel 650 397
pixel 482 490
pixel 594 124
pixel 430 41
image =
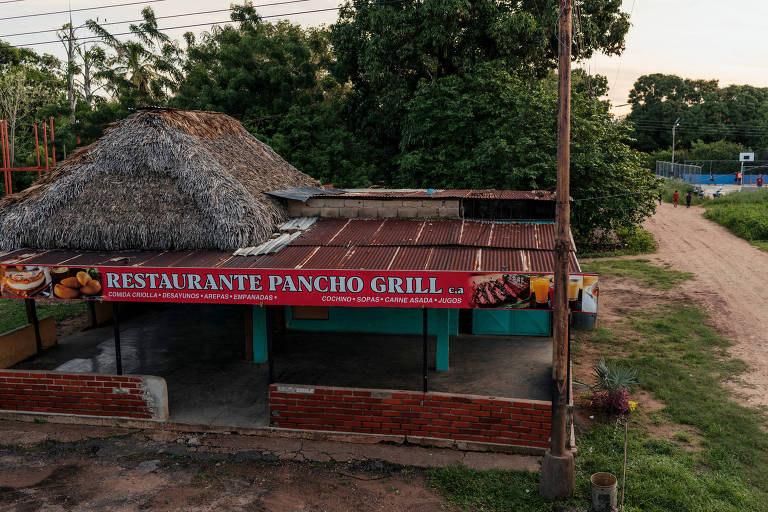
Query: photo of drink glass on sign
pixel 533 291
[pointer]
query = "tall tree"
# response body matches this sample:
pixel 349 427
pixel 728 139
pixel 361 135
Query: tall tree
pixel 144 69
pixel 737 113
pixel 490 129
pixel 275 78
pixel 386 48
pixel 28 82
pixel 256 71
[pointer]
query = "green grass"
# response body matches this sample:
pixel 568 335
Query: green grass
pixel 682 188
pixel 627 243
pixel 745 214
pixel 493 490
pixel 640 270
pixel 683 362
pixel 13 313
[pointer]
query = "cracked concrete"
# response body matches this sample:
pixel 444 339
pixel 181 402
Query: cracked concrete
pixel 27 435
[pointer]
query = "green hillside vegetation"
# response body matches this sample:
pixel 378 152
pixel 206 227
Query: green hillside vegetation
pixel 745 214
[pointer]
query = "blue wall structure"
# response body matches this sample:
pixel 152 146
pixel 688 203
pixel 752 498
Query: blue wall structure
pixel 722 179
pixel 519 322
pixel 440 322
pixel 259 323
pixel 379 320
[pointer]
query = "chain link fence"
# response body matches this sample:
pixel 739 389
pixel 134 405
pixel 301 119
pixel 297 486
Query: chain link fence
pixel 681 172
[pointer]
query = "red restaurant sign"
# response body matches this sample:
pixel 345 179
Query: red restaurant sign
pixel 434 289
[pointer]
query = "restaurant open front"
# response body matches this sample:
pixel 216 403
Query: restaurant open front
pixel 246 294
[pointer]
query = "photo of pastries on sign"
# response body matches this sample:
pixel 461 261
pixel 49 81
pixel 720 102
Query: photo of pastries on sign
pixel 20 281
pixel 75 283
pixel 501 290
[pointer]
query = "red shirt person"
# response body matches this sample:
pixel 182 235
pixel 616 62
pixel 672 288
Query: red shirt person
pixel 760 181
pixel 675 198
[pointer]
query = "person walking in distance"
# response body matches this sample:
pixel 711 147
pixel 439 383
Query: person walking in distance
pixel 675 198
pixel 688 199
pixel 660 195
pixel 759 181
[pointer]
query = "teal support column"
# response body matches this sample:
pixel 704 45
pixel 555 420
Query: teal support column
pixel 260 354
pixel 442 328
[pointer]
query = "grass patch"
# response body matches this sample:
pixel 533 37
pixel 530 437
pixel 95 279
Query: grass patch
pixel 13 313
pixel 639 270
pixel 683 362
pixel 493 490
pixel 627 243
pixel 745 214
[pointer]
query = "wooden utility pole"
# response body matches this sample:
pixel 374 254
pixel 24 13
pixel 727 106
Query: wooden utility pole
pixel 557 470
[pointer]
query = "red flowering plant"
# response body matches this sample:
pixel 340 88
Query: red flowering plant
pixel 612 387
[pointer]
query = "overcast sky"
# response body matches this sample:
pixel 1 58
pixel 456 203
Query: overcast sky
pixel 691 38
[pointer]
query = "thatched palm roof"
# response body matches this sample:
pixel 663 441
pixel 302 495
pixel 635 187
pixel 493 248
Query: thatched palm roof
pixel 159 179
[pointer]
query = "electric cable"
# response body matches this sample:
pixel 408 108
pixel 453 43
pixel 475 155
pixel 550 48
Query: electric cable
pixel 156 17
pixel 78 10
pixel 161 29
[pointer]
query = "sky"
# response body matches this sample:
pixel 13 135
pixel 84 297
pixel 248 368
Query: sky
pixel 707 39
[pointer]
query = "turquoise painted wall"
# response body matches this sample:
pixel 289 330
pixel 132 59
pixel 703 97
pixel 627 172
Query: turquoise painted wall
pixel 408 321
pixel 260 353
pixel 512 321
pixel 381 320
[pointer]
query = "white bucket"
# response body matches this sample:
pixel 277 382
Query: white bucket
pixel 604 491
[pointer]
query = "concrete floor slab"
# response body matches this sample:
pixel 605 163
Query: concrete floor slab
pixel 197 349
pixel 503 366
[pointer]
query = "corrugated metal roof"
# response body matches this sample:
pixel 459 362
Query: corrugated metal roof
pixel 303 193
pixel 492 260
pixel 326 257
pixel 321 232
pixel 398 232
pixel 411 258
pixel 289 257
pixel 440 232
pixel 394 244
pixel 369 258
pixel 297 224
pixel 455 258
pixel 356 232
pixel 476 234
pixel 384 193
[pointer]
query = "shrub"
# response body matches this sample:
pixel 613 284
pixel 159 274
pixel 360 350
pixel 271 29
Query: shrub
pixel 611 392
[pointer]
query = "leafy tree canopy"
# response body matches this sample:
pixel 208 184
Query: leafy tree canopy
pixel 385 48
pixel 492 129
pixel 256 71
pixel 707 112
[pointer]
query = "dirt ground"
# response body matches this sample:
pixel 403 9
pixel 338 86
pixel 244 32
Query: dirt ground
pixel 731 283
pixel 55 467
pixel 128 471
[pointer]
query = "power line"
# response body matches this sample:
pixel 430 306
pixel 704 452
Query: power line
pixel 705 130
pixel 78 10
pixel 156 17
pixel 186 26
pixel 702 128
pixel 10 1
pixel 746 124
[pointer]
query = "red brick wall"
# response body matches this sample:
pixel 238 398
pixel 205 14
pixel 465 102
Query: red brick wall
pixel 77 393
pixel 507 421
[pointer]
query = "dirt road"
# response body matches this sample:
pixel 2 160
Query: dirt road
pixel 731 282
